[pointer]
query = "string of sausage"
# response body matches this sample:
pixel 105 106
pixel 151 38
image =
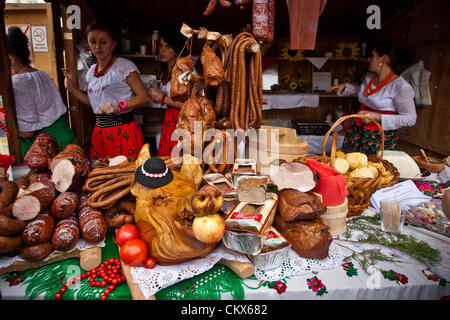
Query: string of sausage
pixel 213 158
pixel 246 87
pixel 110 194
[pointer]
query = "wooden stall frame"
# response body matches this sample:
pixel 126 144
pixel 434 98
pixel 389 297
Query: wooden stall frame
pixel 7 92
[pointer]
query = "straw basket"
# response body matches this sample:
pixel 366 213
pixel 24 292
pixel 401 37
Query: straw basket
pixel 360 189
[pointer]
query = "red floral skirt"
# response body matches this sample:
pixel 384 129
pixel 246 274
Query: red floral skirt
pixel 126 139
pixel 169 125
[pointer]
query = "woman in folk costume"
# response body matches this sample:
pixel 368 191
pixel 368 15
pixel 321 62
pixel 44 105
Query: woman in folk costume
pixel 171 44
pixel 385 97
pixel 114 90
pixel 39 105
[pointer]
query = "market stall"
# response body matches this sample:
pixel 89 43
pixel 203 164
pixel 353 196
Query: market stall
pixel 243 209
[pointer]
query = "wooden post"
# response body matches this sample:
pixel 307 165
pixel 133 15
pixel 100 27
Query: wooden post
pixel 81 116
pixel 6 91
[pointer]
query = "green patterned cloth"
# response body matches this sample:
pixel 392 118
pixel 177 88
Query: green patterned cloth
pixel 49 279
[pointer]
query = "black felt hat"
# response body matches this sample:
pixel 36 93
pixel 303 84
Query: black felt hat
pixel 154 173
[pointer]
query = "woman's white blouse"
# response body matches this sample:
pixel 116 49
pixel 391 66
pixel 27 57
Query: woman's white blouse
pixel 396 96
pixel 38 101
pixel 112 86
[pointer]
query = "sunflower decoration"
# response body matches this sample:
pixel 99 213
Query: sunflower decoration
pixel 356 73
pixel 291 55
pixel 347 50
pixel 293 84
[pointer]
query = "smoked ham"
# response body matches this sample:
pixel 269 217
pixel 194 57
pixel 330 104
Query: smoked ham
pixel 69 174
pixel 178 90
pixel 70 151
pixel 292 175
pixel 31 204
pixel 66 234
pixel 295 205
pixel 213 73
pixel 43 149
pixel 194 110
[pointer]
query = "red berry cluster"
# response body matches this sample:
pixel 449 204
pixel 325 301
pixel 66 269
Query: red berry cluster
pixel 109 271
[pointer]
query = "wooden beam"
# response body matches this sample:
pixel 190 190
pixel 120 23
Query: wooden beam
pixel 7 92
pixel 25 6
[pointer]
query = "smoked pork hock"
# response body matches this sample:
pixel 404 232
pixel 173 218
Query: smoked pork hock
pixel 310 239
pixel 295 205
pixel 164 215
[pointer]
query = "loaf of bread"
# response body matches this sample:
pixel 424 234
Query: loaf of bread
pixel 39 230
pixel 66 234
pixel 92 225
pixel 65 205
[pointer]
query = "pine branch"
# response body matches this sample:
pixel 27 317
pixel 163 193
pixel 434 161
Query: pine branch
pixel 418 250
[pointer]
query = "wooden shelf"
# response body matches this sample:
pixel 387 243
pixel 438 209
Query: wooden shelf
pixel 131 55
pixel 321 95
pixel 349 59
pixel 358 59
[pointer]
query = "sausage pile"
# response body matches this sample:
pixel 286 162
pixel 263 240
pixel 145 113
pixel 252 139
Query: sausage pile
pixel 108 185
pixel 46 210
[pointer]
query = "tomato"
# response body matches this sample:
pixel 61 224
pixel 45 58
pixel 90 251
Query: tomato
pixel 133 252
pixel 125 233
pixel 150 263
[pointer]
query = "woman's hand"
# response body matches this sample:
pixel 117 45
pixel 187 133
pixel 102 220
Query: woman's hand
pixel 68 83
pixel 155 94
pixel 109 107
pixel 374 115
pixel 339 88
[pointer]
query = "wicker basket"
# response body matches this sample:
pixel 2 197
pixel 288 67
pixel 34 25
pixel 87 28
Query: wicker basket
pixel 360 189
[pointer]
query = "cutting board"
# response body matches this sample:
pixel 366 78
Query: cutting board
pixel 242 269
pixel 89 259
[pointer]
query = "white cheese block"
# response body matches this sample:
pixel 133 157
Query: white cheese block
pixel 405 165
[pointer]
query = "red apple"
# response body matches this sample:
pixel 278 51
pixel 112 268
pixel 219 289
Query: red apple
pixel 209 228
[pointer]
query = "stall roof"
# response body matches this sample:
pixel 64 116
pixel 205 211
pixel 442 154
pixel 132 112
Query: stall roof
pixel 339 16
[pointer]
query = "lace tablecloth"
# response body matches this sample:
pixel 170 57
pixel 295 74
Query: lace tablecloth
pixel 150 281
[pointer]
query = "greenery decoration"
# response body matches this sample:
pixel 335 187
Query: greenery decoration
pixel 419 250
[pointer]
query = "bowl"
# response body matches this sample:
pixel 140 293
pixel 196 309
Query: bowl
pixel 435 165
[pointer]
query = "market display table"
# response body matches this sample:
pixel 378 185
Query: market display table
pixel 406 279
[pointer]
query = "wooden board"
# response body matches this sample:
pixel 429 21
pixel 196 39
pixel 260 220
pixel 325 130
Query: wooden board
pixel 242 269
pixel 88 257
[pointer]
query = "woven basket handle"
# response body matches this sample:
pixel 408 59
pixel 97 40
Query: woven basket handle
pixel 339 121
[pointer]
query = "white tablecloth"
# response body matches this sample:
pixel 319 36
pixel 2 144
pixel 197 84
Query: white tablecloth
pixel 315 143
pixel 291 100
